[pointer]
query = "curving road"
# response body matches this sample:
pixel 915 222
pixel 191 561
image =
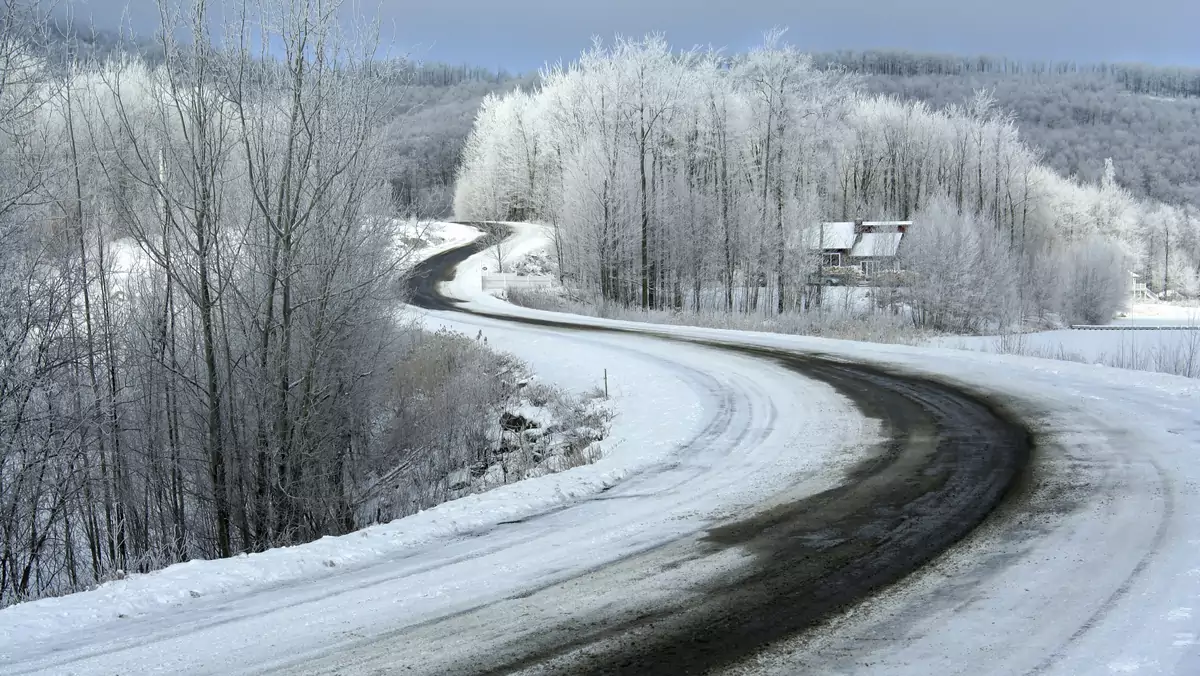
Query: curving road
pixel 1091 565
pixel 950 458
pixel 767 505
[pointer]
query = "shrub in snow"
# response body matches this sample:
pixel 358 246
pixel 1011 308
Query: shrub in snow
pixel 536 264
pixel 1095 281
pixel 963 276
pixel 469 419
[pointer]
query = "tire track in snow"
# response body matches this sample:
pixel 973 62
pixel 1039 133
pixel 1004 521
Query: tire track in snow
pixel 952 458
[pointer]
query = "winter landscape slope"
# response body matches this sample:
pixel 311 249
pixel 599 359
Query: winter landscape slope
pixel 692 445
pixel 1093 569
pixel 810 555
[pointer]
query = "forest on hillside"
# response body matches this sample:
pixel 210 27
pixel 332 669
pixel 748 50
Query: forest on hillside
pixel 423 140
pixel 1139 123
pixel 203 350
pixel 670 174
pixel 1145 118
pixel 429 105
pixel 1076 115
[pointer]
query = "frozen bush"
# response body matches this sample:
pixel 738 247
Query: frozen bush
pixel 467 418
pixel 1096 282
pixel 963 277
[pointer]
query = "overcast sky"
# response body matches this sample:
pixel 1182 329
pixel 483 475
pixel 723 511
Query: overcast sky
pixel 523 34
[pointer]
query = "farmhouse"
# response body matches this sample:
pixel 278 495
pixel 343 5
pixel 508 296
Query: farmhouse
pixel 870 246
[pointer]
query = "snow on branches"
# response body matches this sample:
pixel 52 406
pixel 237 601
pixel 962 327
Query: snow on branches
pixel 689 179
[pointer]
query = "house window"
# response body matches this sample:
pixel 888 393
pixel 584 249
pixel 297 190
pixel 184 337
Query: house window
pixel 831 259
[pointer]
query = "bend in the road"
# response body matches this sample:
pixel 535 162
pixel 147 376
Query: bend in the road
pixel 951 460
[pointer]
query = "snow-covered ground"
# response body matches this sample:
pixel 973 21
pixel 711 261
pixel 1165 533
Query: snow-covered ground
pixel 1095 569
pixel 1172 347
pixel 1161 314
pixel 422 239
pixel 691 444
pixel 1175 351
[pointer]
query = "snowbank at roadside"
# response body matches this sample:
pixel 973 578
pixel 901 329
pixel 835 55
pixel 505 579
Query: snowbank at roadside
pixel 663 397
pixel 424 239
pixel 1118 567
pixel 182 583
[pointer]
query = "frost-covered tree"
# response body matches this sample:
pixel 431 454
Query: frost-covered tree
pixel 701 180
pixel 1096 280
pixel 964 276
pixel 198 287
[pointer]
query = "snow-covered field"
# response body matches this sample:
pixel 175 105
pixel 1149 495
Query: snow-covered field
pixel 1095 570
pixel 1163 349
pixel 1161 314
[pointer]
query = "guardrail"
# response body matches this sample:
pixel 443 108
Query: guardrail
pixel 497 281
pixel 1131 327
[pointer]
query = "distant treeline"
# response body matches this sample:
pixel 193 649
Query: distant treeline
pixel 1137 78
pixel 434 74
pixel 1146 118
pixel 64 40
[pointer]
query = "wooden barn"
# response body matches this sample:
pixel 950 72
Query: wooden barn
pixel 870 246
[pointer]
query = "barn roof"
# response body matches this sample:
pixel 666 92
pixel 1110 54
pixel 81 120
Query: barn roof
pixel 877 244
pixel 826 236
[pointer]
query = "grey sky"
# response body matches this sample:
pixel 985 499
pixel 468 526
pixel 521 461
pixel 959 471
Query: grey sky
pixel 522 34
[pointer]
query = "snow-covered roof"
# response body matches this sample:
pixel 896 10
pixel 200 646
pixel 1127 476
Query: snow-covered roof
pixel 837 235
pixel 877 244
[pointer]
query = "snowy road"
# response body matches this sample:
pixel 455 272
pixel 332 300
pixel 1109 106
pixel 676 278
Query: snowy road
pixel 1092 566
pixel 693 445
pixel 948 461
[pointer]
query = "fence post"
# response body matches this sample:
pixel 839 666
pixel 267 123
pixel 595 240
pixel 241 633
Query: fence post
pixel 606 383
